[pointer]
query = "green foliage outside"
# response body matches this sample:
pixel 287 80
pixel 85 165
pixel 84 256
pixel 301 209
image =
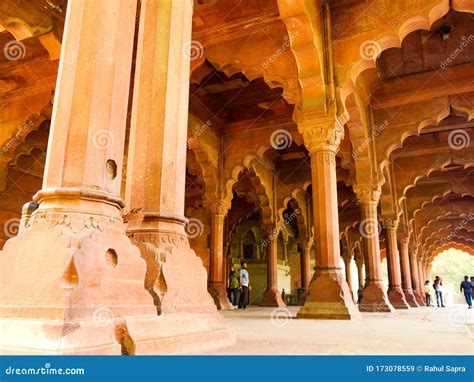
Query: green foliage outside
pixel 452 265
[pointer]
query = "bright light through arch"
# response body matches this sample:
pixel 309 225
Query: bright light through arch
pixel 452 265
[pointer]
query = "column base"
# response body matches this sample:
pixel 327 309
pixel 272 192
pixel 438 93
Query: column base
pixel 420 299
pixel 397 298
pixel 329 298
pixel 146 335
pixel 302 297
pixel 410 298
pixel 272 298
pixel 374 298
pixel 219 295
pixel 72 283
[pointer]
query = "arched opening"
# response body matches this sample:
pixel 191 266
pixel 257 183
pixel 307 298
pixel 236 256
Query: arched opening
pixel 451 266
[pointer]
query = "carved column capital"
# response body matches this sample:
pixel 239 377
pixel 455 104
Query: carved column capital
pixel 271 230
pixel 367 194
pixel 402 238
pixel 219 208
pixel 390 222
pixel 321 134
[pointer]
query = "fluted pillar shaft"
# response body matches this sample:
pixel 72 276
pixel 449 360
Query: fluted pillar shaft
pixel 305 266
pixel 374 298
pixel 216 281
pixel 395 293
pixel 406 273
pixel 415 278
pixel 272 296
pixel 73 262
pixel 347 264
pixel 360 272
pixel 328 294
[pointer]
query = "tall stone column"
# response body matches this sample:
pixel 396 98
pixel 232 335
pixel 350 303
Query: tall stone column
pixel 305 265
pixel 347 263
pixel 359 260
pixel 217 283
pixel 415 281
pixel 421 280
pixel 406 273
pixel 374 298
pixel 395 292
pixel 72 283
pixel 421 270
pixel 155 186
pixel 328 295
pixel 272 296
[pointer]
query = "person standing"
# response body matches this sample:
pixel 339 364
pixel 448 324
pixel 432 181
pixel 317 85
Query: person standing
pixel 427 290
pixel 234 284
pixel 244 285
pixel 466 287
pixel 438 287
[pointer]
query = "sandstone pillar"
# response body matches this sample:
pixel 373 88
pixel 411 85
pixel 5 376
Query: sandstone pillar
pixel 415 278
pixel 421 280
pixel 421 270
pixel 328 295
pixel 395 292
pixel 406 273
pixel 347 263
pixel 72 283
pixel 155 183
pixel 217 282
pixel 272 296
pixel 374 298
pixel 305 265
pixel 360 271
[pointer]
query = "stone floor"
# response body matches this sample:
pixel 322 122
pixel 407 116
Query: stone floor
pixel 415 331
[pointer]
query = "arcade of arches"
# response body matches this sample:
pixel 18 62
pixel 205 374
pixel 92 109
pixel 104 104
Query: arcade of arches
pixel 147 146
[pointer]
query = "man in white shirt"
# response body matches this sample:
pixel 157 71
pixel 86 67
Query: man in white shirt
pixel 244 285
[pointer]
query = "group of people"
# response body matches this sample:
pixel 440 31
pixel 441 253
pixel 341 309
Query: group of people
pixel 239 286
pixel 466 287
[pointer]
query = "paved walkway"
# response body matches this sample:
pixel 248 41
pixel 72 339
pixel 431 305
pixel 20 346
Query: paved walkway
pixel 415 331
